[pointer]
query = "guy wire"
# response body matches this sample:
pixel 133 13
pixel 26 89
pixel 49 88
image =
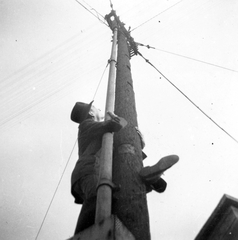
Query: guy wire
pixel 100 81
pixel 57 187
pixel 188 98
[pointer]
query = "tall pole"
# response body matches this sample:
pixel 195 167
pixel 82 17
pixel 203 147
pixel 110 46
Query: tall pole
pixel 130 203
pixel 104 192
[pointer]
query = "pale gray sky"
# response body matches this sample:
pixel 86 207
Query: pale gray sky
pixel 53 54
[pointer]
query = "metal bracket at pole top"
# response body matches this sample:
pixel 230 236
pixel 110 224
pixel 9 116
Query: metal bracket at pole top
pixel 115 22
pixel 112 20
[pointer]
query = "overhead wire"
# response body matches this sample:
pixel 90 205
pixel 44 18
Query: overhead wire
pixel 190 58
pixel 38 79
pixel 23 110
pixel 158 49
pixel 96 16
pixel 42 57
pixel 39 100
pixel 201 61
pixel 187 57
pixel 18 91
pixel 133 29
pixel 99 83
pixel 189 99
pixel 33 97
pixel 22 87
pixel 40 67
pixel 57 187
pixel 98 13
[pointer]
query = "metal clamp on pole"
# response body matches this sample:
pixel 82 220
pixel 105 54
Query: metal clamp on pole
pixel 109 183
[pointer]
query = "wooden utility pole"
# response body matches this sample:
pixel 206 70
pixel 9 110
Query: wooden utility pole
pixel 128 217
pixel 129 203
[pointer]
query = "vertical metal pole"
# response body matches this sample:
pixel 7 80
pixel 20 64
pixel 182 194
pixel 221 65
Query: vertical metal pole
pixel 104 193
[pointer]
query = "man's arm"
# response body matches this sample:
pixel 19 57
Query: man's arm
pixel 93 128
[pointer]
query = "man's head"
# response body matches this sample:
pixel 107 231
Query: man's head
pixel 96 114
pixel 82 111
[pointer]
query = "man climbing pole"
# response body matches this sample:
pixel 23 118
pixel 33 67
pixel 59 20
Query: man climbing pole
pixel 85 176
pixel 86 172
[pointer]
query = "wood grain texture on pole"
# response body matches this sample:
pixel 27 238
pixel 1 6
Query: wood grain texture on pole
pixel 129 203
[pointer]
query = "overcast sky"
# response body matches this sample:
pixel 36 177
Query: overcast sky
pixel 53 53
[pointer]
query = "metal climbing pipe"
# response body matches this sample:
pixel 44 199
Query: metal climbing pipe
pixel 104 191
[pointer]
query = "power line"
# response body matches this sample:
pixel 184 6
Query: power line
pixel 42 57
pixel 39 100
pixel 187 57
pixel 96 16
pixel 100 81
pixel 39 74
pixel 98 13
pixel 41 66
pixel 188 98
pixel 156 15
pixel 57 187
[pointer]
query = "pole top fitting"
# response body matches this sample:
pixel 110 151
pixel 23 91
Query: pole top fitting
pixel 112 20
pixel 115 22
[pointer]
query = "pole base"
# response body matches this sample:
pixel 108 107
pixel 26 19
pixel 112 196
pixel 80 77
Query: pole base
pixel 109 229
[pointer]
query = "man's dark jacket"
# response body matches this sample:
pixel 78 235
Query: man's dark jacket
pixel 89 142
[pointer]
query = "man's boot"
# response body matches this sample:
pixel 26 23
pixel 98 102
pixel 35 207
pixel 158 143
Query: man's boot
pixel 152 175
pixel 158 186
pixel 148 173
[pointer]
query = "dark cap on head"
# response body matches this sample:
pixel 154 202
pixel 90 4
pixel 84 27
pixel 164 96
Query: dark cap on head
pixel 80 111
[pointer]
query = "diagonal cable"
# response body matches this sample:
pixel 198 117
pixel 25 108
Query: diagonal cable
pixel 96 16
pixel 43 221
pixel 156 15
pixel 188 99
pixel 187 57
pixel 100 81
